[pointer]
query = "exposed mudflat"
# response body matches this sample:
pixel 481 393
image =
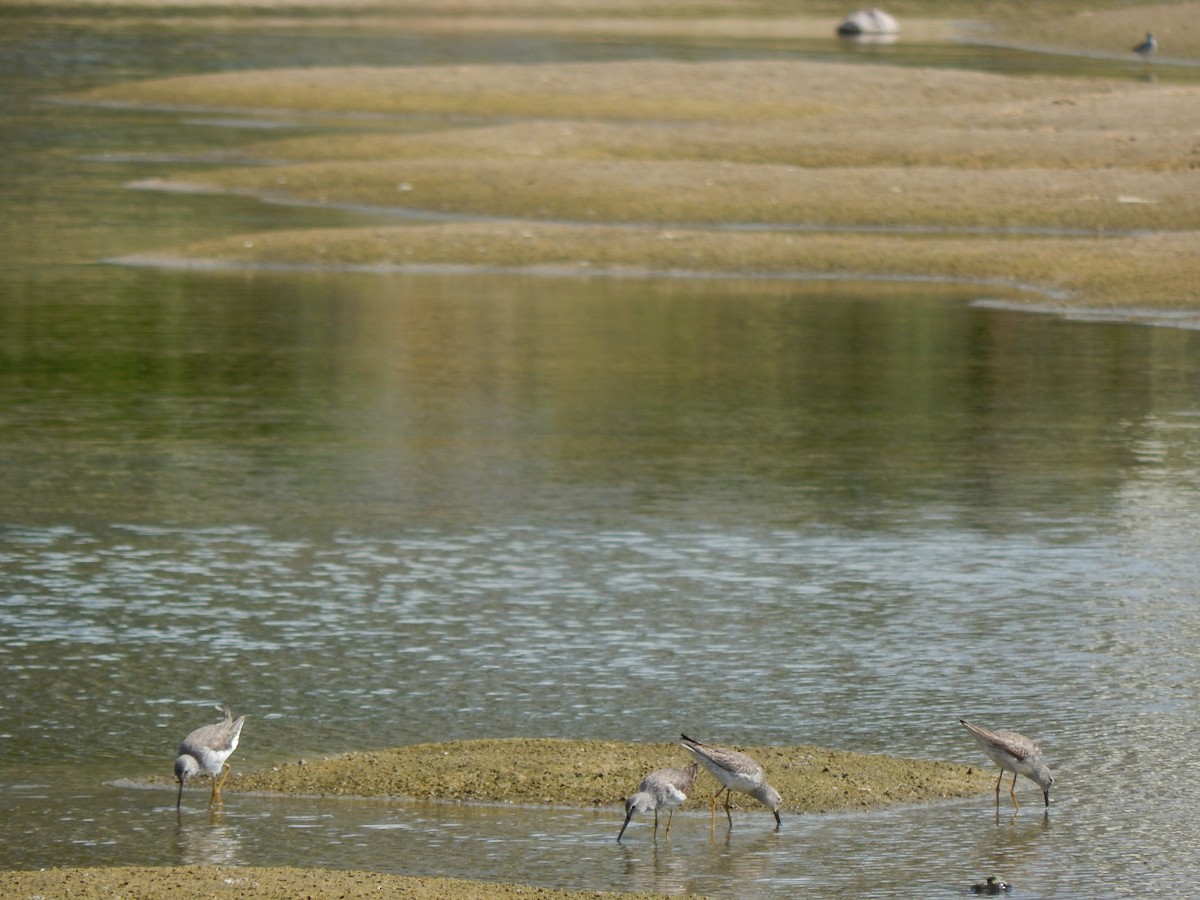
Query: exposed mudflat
pixel 602 773
pixel 1085 191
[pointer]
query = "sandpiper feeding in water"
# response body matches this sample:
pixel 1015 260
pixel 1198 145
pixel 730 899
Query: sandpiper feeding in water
pixel 205 750
pixel 1014 753
pixel 737 772
pixel 661 789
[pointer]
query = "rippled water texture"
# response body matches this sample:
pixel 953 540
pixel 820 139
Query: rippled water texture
pixel 376 510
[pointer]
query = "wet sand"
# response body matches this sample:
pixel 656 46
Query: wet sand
pixel 176 882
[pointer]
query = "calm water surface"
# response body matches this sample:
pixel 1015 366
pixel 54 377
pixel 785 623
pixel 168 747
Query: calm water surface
pixel 375 510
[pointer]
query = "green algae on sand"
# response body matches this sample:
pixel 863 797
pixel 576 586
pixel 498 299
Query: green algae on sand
pixel 601 773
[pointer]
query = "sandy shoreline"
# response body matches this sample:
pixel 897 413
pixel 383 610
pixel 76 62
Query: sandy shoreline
pixel 175 882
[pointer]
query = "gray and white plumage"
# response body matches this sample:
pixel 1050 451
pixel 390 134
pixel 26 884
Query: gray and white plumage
pixel 205 750
pixel 736 771
pixel 1014 753
pixel 1146 47
pixel 661 789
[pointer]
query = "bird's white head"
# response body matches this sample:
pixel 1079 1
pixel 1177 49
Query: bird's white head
pixel 186 767
pixel 1044 780
pixel 769 797
pixel 640 802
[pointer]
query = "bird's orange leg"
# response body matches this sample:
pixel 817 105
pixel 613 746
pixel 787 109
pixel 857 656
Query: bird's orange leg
pixel 218 783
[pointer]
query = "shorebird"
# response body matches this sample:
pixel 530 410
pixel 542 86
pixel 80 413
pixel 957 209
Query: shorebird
pixel 1146 47
pixel 205 750
pixel 737 772
pixel 661 789
pixel 1014 753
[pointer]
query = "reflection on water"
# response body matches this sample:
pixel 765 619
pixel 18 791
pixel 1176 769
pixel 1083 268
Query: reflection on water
pixel 438 405
pixel 210 840
pixel 932 850
pixel 381 510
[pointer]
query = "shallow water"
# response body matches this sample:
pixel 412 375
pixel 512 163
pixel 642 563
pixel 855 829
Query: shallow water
pixel 376 510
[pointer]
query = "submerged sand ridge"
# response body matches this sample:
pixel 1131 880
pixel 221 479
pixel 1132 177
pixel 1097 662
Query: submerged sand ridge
pixel 1157 271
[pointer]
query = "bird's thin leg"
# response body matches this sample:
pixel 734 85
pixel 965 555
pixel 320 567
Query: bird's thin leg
pixel 218 783
pixel 656 821
pixel 670 815
pixel 1012 792
pixel 998 780
pixel 728 814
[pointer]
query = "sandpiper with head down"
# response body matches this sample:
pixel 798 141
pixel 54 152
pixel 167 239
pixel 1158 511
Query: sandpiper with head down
pixel 1014 753
pixel 661 789
pixel 737 772
pixel 205 750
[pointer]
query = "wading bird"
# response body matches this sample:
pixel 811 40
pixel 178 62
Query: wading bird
pixel 737 772
pixel 205 750
pixel 661 789
pixel 1014 753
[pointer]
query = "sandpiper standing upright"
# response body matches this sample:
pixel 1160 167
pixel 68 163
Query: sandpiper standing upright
pixel 205 750
pixel 1014 753
pixel 737 772
pixel 1147 47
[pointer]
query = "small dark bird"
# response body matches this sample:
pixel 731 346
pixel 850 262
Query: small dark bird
pixel 1146 47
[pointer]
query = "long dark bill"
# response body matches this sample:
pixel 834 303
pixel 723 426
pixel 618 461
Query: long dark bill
pixel 628 816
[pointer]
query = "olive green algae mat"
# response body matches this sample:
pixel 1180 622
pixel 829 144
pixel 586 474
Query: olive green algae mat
pixel 601 773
